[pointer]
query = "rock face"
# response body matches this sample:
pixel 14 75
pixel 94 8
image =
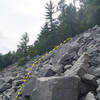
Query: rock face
pixel 71 72
pixel 90 79
pixel 56 88
pixel 90 96
pixel 26 89
pixel 4 87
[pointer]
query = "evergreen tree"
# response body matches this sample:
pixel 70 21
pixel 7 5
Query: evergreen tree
pixel 23 46
pixel 67 19
pixel 68 23
pixel 50 12
pixel 91 12
pixel 62 8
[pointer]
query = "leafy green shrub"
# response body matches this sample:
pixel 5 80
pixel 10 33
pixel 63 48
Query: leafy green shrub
pixel 21 62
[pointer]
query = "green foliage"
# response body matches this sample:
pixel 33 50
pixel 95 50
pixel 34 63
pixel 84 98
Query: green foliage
pixel 23 46
pixel 23 50
pixel 68 23
pixel 91 12
pixel 7 59
pixel 21 62
pixel 49 13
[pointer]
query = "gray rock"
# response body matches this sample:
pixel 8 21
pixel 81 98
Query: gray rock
pixel 67 58
pixel 74 49
pixel 90 96
pixel 6 98
pixel 95 27
pixel 84 89
pixel 67 67
pixel 18 82
pixel 97 38
pixel 82 50
pixel 19 77
pixel 1 81
pixel 47 57
pixel 98 81
pixel 96 59
pixel 56 88
pixel 19 98
pixel 9 79
pixel 58 69
pixel 98 96
pixel 46 71
pixel 96 72
pixel 91 49
pixel 6 79
pixel 98 29
pixel 67 48
pixel 1 97
pixel 98 89
pixel 86 35
pixel 14 74
pixel 8 93
pixel 4 87
pixel 90 79
pixel 28 87
pixel 80 67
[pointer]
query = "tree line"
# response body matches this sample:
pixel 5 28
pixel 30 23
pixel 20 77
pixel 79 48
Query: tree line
pixel 69 21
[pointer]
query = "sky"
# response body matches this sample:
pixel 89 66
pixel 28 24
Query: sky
pixel 18 17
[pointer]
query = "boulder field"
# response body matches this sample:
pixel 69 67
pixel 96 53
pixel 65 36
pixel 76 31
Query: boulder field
pixel 71 72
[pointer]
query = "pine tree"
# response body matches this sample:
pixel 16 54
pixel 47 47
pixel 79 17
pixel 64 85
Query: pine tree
pixel 62 7
pixel 23 46
pixel 91 12
pixel 50 12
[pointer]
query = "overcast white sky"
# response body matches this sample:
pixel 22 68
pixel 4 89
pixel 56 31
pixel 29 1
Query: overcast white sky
pixel 18 17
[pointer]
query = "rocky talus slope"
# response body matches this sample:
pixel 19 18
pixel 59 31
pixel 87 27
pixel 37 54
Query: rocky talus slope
pixel 71 72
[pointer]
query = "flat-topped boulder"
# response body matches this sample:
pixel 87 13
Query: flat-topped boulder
pixel 56 88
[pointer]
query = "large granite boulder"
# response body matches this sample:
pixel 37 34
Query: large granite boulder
pixel 90 82
pixel 56 88
pixel 90 79
pixel 80 67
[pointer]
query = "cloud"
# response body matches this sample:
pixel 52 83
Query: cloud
pixel 2 36
pixel 17 17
